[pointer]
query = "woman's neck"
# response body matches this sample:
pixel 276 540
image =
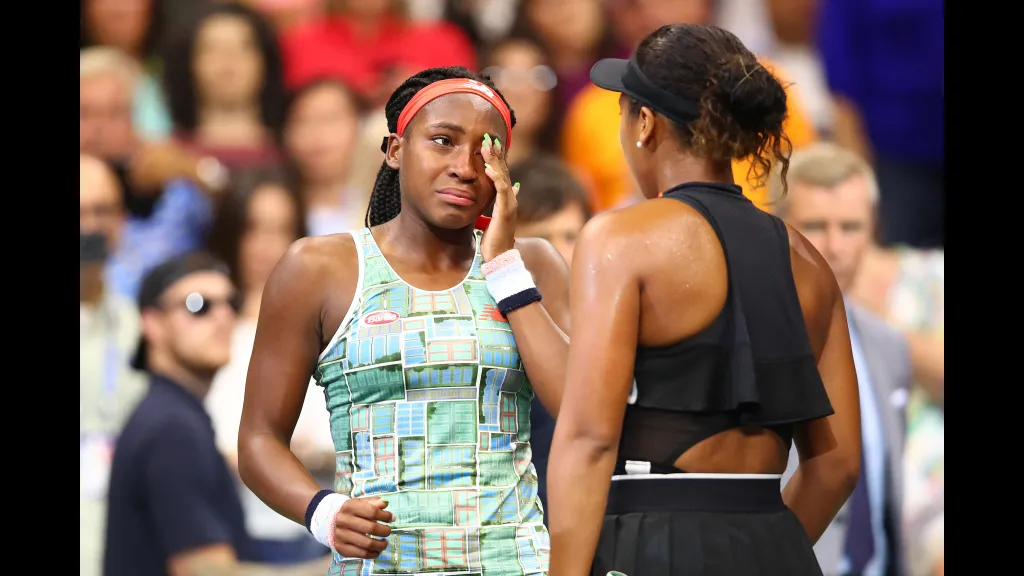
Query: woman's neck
pixel 437 249
pixel 230 127
pixel 675 169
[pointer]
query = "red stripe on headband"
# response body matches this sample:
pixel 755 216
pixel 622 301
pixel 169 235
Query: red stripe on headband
pixel 453 86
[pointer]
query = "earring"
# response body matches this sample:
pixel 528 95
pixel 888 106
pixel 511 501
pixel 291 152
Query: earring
pixel 639 144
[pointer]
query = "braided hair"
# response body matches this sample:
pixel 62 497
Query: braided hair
pixel 386 199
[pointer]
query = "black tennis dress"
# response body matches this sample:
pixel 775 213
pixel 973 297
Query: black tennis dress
pixel 753 366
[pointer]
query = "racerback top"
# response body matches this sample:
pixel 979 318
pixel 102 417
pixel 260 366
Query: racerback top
pixel 753 366
pixel 430 410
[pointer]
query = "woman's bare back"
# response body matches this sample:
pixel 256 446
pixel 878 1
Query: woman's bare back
pixel 683 274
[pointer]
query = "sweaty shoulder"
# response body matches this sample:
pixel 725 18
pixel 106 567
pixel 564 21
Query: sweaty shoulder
pixel 650 228
pixel 318 256
pixel 815 285
pixel 657 241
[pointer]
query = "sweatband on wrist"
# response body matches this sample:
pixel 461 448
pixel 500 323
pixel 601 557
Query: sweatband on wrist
pixel 509 282
pixel 321 521
pixel 518 300
pixel 311 507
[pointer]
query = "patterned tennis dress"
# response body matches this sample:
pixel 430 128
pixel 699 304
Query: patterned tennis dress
pixel 430 410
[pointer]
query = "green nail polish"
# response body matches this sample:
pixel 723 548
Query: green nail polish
pixel 486 165
pixel 487 140
pixel 516 185
pixel 497 141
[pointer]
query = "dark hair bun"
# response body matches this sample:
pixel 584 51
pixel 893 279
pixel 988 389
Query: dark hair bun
pixel 750 95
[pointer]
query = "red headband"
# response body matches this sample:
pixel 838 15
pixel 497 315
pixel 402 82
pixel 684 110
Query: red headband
pixel 452 86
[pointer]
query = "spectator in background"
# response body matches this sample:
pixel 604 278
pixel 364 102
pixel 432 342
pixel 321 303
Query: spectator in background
pixel 903 286
pixel 554 206
pixel 255 226
pixel 590 134
pixel 166 190
pixel 322 122
pixel 377 46
pixel 794 49
pixel 173 504
pixel 519 68
pixel 831 201
pixel 906 286
pixel 108 331
pixel 134 27
pixel 224 86
pixel 573 34
pixel 108 78
pixel 884 63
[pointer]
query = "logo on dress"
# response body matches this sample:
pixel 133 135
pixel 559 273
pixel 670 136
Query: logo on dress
pixel 380 318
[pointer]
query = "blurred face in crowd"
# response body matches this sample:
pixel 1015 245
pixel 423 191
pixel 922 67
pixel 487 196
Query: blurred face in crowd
pixel 193 326
pixel 561 229
pixel 271 226
pixel 519 70
pixel 572 26
pixel 837 221
pixel 101 209
pixel 321 132
pixel 105 116
pixel 118 23
pixel 227 62
pixel 633 20
pixel 793 20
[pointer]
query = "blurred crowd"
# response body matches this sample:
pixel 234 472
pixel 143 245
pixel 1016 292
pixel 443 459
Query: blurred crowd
pixel 239 127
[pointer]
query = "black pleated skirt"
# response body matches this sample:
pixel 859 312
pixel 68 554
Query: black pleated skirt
pixel 679 526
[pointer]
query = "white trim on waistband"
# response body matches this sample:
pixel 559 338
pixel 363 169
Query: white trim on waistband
pixel 686 476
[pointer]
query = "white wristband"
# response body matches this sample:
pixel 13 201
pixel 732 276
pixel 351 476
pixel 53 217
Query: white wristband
pixel 322 523
pixel 512 278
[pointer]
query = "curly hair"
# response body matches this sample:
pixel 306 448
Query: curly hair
pixel 386 198
pixel 742 104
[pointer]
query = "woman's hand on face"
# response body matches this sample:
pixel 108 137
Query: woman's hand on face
pixel 500 235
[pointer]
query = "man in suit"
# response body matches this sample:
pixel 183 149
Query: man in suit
pixel 831 200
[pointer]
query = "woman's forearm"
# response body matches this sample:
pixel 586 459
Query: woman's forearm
pixel 816 492
pixel 273 473
pixel 579 474
pixel 544 349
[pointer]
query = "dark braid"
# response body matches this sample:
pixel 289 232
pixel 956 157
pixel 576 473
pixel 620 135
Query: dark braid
pixel 386 199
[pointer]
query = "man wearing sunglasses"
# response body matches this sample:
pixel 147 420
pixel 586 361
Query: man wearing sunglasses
pixel 173 506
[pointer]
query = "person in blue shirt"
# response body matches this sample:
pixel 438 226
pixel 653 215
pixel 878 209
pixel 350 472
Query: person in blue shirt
pixel 173 506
